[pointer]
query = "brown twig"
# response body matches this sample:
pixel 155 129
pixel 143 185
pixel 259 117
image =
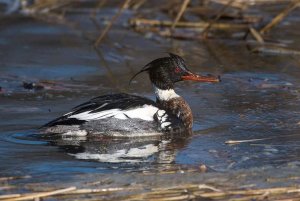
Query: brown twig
pixel 220 13
pixel 278 190
pixel 13 178
pixel 241 141
pixel 256 35
pixel 39 6
pixel 124 6
pixel 294 4
pixel 64 192
pixel 179 15
pixel 257 139
pixel 201 25
pixel 42 194
pixel 138 4
pixel 275 49
pixel 242 4
pixel 2 197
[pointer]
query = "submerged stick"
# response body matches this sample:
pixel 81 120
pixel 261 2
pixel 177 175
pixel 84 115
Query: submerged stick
pixel 294 4
pixel 138 4
pixel 38 6
pixel 276 190
pixel 42 194
pixel 12 178
pixel 201 25
pixel 257 139
pixel 272 49
pixel 179 15
pixel 256 35
pixel 241 141
pixel 124 6
pixel 9 196
pixel 65 192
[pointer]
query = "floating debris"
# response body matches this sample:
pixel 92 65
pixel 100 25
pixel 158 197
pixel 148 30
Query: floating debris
pixel 242 141
pixel 203 168
pixel 200 25
pixel 257 139
pixel 32 86
pixel 274 50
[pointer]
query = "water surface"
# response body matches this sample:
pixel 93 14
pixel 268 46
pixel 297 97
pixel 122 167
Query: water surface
pixel 258 98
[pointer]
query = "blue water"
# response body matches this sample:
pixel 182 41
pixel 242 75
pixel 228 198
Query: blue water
pixel 258 98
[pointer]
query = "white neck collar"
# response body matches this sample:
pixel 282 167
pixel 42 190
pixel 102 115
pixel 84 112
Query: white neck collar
pixel 165 94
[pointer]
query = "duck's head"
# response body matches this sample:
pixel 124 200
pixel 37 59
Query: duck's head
pixel 166 71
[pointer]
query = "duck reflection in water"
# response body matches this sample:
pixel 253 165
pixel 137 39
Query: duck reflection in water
pixel 121 150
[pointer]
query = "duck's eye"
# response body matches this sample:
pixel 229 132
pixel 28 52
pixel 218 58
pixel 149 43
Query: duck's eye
pixel 177 70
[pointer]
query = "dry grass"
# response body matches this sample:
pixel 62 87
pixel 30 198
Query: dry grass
pixel 215 188
pixel 179 27
pixel 179 192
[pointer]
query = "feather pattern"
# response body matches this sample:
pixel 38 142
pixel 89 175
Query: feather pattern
pixel 120 106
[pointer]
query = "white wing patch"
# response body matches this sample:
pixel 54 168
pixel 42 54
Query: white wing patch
pixel 162 119
pixel 145 113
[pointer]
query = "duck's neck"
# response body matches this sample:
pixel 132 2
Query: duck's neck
pixel 165 94
pixel 175 104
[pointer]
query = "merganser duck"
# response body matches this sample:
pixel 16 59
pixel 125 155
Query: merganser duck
pixel 125 115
